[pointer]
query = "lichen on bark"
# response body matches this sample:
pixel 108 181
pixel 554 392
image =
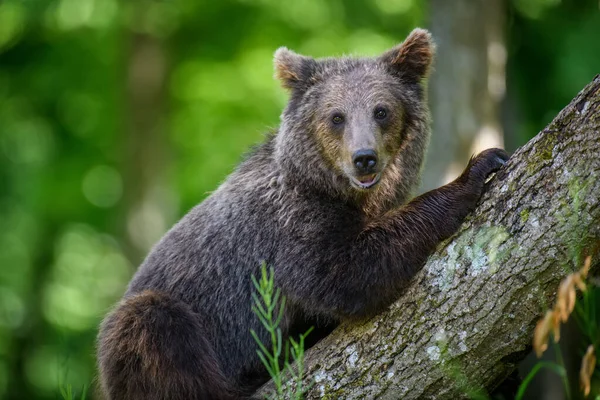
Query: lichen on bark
pixel 467 318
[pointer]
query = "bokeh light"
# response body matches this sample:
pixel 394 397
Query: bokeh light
pixel 102 186
pixel 117 117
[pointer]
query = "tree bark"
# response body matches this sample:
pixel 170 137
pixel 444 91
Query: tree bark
pixel 467 87
pixel 467 318
pixel 147 208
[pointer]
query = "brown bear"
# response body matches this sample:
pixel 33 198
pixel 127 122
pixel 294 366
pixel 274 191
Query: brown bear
pixel 323 201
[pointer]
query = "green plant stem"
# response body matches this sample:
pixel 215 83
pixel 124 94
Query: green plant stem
pixel 560 370
pixel 564 376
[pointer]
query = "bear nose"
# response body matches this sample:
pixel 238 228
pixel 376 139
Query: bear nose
pixel 365 161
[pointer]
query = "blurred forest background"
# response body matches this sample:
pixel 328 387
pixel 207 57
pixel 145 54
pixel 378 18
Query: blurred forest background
pixel 116 117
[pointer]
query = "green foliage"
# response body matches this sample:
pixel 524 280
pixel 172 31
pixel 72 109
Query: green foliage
pixel 558 369
pixel 93 170
pixel 584 313
pixel 269 305
pixel 581 375
pixel 67 393
pixel 265 309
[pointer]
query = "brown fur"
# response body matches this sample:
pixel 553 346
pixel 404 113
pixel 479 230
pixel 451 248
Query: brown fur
pixel 136 351
pixel 416 51
pixel 343 246
pixel 287 67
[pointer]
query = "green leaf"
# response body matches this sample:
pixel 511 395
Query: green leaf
pixel 542 364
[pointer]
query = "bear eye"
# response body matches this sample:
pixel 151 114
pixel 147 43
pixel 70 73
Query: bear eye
pixel 380 113
pixel 337 119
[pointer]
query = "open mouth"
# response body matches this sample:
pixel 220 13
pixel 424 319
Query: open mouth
pixel 366 181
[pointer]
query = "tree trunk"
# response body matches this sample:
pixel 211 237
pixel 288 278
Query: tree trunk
pixel 467 318
pixel 147 208
pixel 468 84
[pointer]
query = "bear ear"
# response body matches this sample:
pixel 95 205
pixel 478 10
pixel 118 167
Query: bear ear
pixel 413 57
pixel 293 70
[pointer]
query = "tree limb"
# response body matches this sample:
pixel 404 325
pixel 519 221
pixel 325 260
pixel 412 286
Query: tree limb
pixel 467 319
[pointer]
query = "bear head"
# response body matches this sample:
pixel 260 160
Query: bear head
pixel 356 127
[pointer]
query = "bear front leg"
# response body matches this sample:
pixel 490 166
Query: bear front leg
pixel 443 210
pixel 400 243
pixel 360 277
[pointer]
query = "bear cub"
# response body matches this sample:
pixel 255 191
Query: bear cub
pixel 324 201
